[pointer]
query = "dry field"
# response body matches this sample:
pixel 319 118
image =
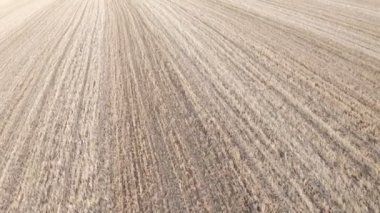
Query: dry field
pixel 189 105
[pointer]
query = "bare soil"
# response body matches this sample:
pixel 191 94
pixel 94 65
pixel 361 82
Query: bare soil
pixel 189 106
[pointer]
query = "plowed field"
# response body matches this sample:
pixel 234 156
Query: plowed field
pixel 189 105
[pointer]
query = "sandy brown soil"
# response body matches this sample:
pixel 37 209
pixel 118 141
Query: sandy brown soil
pixel 189 105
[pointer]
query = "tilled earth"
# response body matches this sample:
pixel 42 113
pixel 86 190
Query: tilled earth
pixel 189 105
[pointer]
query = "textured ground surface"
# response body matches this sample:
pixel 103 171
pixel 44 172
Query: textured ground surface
pixel 191 105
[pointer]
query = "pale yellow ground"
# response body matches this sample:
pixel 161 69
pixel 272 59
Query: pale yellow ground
pixel 189 105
